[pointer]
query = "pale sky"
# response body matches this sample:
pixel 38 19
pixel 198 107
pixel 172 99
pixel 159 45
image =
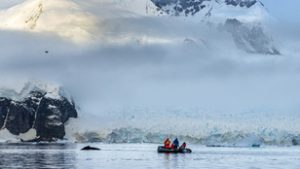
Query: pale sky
pixel 287 10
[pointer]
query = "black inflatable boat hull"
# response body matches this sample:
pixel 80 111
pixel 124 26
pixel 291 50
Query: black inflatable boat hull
pixel 162 149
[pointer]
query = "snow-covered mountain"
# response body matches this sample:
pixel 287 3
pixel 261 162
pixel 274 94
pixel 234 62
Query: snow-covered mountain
pixel 82 21
pixel 37 113
pixel 243 19
pixel 247 10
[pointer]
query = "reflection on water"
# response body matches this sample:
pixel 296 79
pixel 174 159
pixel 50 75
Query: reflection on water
pixel 37 156
pixel 129 156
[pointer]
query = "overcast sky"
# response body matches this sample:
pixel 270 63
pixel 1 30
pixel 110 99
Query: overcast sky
pixel 287 10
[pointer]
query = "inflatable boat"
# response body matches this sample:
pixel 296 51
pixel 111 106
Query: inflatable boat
pixel 162 149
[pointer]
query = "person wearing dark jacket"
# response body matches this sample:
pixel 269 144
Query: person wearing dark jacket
pixel 175 144
pixel 183 146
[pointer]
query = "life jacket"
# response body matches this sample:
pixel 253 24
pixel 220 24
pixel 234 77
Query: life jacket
pixel 167 143
pixel 173 146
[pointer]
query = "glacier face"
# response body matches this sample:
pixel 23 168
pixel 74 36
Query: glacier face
pixel 214 139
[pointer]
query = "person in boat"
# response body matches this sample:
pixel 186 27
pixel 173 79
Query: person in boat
pixel 183 146
pixel 175 144
pixel 167 143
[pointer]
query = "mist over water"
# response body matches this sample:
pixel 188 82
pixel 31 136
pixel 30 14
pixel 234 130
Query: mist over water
pixel 143 71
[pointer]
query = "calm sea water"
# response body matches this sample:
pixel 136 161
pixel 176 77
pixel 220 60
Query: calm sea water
pixel 136 156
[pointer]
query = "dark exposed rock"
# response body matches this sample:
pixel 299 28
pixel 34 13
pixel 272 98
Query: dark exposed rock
pixel 241 3
pixel 188 7
pixel 51 116
pixel 191 7
pixel 248 36
pixel 22 114
pixel 251 39
pixel 37 111
pixel 296 140
pixel 19 119
pixel 4 108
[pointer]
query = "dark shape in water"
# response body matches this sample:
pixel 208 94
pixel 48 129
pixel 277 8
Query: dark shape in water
pixel 255 145
pixel 162 149
pixel 90 148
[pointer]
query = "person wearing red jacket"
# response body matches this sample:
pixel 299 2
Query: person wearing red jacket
pixel 167 143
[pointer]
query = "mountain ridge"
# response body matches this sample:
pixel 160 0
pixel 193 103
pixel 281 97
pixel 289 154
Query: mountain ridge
pixel 74 21
pixel 212 8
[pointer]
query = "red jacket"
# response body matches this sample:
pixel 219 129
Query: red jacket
pixel 167 143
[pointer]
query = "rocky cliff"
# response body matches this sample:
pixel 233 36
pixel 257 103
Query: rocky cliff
pixel 36 109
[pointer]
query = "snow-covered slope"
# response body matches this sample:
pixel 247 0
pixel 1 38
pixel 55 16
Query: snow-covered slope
pixel 63 17
pixel 116 21
pixel 52 90
pixel 142 7
pixel 68 18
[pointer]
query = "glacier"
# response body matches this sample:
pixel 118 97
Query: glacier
pixel 263 137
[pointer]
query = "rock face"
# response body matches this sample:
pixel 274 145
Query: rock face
pixel 241 3
pixel 234 15
pixel 191 7
pixel 39 111
pixel 296 140
pixel 250 38
pixel 180 6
